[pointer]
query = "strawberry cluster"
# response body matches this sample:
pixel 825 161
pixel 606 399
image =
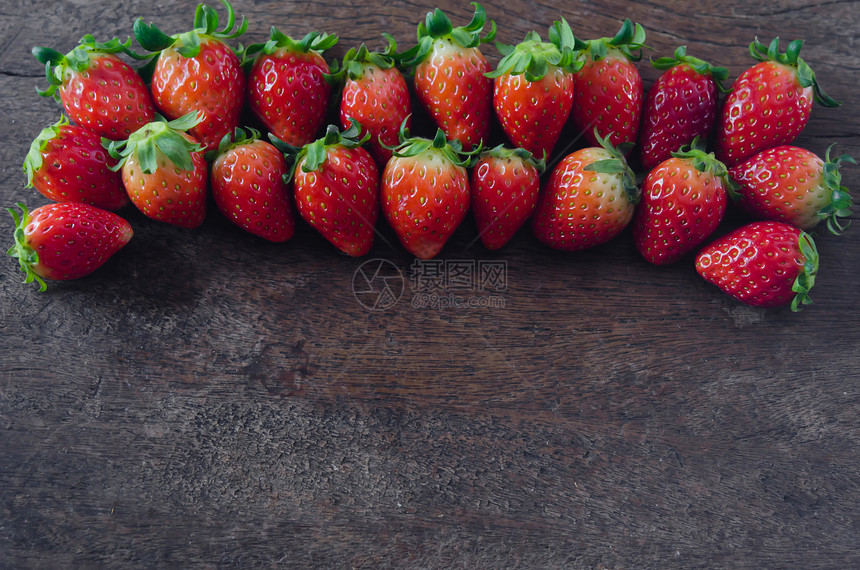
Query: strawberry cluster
pixel 167 134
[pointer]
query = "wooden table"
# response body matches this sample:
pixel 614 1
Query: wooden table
pixel 210 400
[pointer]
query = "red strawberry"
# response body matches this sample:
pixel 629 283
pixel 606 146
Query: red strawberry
pixel 533 89
pixel 680 106
pixel 164 172
pixel 505 186
pixel 769 104
pixel 764 264
pixel 375 95
pixel 337 189
pixel 197 72
pixel 793 185
pixel 66 240
pixel 607 93
pixel 425 193
pixel 287 87
pixel 67 163
pixel 588 199
pixel 248 186
pixel 449 75
pixel 97 89
pixel 683 202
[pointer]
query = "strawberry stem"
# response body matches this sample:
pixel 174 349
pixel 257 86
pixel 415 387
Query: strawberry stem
pixel 26 255
pixel 806 278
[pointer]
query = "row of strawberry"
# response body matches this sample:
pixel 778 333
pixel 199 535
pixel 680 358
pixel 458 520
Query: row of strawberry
pixel 336 184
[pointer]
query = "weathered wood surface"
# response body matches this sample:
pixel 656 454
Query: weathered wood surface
pixel 209 400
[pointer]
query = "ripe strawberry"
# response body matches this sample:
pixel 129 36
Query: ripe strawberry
pixel 375 95
pixel 589 198
pixel 287 87
pixel 67 163
pixel 533 89
pixel 764 264
pixel 337 189
pixel 769 104
pixel 449 75
pixel 66 240
pixel 248 186
pixel 425 192
pixel 97 89
pixel 505 185
pixel 683 202
pixel 607 93
pixel 793 185
pixel 164 172
pixel 680 106
pixel 198 72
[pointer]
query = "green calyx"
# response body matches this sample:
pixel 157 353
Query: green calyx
pixel 26 255
pixel 410 146
pixel 356 60
pixel 437 26
pixel 313 155
pixel 700 66
pixel 59 66
pixel 791 58
pixel 806 278
pixel 629 40
pixel 313 41
pixel 532 57
pixel 156 140
pixel 33 160
pixel 522 154
pixel 840 200
pixel 188 44
pixel 705 161
pixel 237 137
pixel 617 165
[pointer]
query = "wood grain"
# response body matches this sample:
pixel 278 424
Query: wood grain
pixel 210 400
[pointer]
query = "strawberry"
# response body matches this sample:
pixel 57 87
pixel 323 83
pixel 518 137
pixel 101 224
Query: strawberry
pixel 287 86
pixel 97 89
pixel 247 180
pixel 589 198
pixel 337 189
pixel 793 185
pixel 763 264
pixel 533 89
pixel 198 72
pixel 67 163
pixel 164 172
pixel 375 95
pixel 769 103
pixel 449 75
pixel 505 184
pixel 680 106
pixel 607 92
pixel 425 192
pixel 66 240
pixel 683 202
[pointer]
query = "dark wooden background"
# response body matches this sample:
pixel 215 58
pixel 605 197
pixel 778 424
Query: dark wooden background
pixel 210 400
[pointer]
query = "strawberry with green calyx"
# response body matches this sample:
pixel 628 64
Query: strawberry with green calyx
pixel 164 171
pixel 680 106
pixel 763 264
pixel 97 89
pixel 336 187
pixel 449 75
pixel 248 186
pixel 287 86
pixel 65 241
pixel 67 163
pixel 683 201
pixel 588 199
pixel 197 71
pixel 375 95
pixel 425 191
pixel 769 103
pixel 533 88
pixel 793 185
pixel 607 94
pixel 505 185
